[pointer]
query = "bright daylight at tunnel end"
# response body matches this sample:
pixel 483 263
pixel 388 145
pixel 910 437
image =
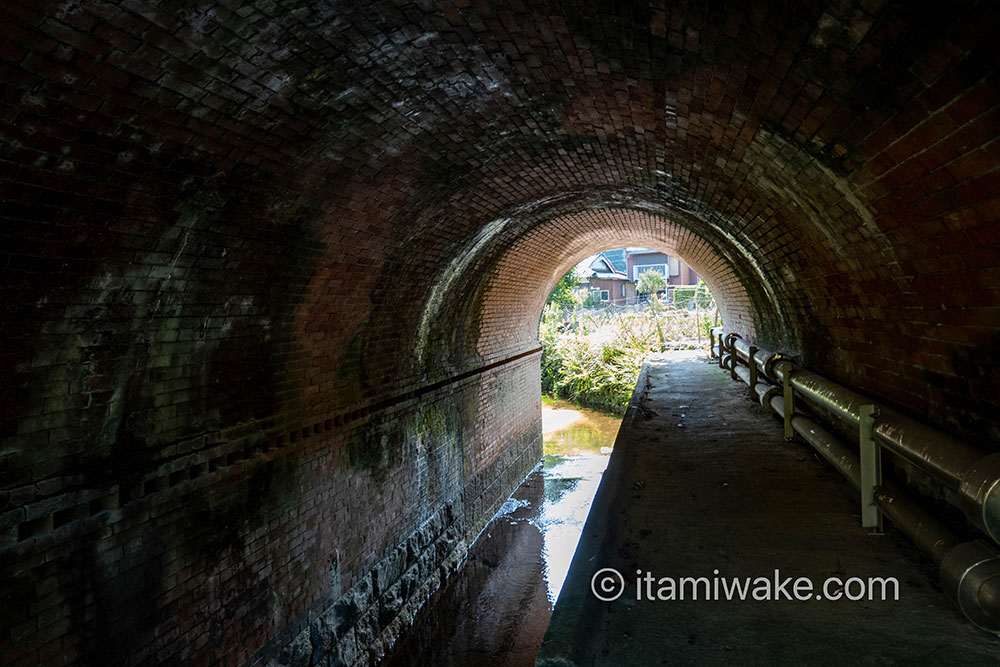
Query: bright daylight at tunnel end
pixel 271 282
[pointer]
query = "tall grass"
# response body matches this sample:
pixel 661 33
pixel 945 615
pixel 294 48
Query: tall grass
pixel 594 357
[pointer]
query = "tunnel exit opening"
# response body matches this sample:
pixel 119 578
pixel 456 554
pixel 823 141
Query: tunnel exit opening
pixel 593 344
pixel 602 320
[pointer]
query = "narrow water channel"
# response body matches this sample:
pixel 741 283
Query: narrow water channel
pixel 495 609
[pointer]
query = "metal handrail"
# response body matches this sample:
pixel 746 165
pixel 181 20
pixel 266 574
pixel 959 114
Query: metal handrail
pixel 967 470
pixel 970 571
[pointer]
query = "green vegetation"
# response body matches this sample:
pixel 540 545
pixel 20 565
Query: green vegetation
pixel 650 282
pixel 564 293
pixel 683 297
pixel 593 357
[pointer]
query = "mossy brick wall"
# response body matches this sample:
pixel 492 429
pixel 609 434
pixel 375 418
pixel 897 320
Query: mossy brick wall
pixel 220 555
pixel 258 236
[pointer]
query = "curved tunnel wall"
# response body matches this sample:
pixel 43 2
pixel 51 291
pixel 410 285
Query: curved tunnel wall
pixel 269 272
pixel 529 269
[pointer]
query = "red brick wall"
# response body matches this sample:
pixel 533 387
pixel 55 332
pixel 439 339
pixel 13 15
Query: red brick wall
pixel 228 228
pixel 218 551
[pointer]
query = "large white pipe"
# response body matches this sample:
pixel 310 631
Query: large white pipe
pixel 973 474
pixel 969 571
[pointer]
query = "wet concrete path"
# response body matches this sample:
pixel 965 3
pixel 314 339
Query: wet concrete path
pixel 701 481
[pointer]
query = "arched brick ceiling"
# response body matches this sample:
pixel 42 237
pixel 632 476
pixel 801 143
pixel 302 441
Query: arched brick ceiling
pixel 529 258
pixel 523 280
pixel 258 259
pixel 293 182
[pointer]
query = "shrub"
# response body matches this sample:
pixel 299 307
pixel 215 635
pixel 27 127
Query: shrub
pixel 594 358
pixel 689 297
pixel 650 282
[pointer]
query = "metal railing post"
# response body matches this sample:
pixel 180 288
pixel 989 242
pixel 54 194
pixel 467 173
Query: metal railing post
pixel 871 468
pixel 733 358
pixel 789 398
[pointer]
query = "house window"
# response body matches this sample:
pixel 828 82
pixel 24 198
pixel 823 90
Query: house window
pixel 623 289
pixel 605 295
pixel 643 268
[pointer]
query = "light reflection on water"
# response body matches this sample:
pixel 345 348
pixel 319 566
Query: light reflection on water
pixel 576 443
pixel 570 484
pixel 496 608
pixel 570 429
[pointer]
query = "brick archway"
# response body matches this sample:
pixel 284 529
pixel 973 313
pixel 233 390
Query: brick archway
pixel 269 271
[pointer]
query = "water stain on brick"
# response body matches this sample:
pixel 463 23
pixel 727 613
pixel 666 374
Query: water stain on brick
pixel 221 524
pixel 377 446
pixel 259 332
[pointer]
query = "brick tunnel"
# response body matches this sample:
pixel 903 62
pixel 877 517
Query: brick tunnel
pixel 272 274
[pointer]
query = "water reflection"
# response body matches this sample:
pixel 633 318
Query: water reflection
pixel 496 608
pixel 570 429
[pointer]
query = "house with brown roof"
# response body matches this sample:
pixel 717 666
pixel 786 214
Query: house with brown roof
pixel 613 286
pixel 614 273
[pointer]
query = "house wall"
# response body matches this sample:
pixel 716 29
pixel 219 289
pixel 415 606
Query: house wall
pixel 680 273
pixel 686 276
pixel 615 290
pixel 648 259
pixel 630 294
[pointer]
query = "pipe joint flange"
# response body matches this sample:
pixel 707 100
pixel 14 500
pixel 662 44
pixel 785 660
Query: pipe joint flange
pixel 730 337
pixel 765 398
pixel 771 362
pixel 981 488
pixel 970 572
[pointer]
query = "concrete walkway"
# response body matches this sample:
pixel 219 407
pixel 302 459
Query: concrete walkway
pixel 701 480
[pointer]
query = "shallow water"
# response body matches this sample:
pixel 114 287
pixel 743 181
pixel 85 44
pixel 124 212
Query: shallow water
pixel 495 609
